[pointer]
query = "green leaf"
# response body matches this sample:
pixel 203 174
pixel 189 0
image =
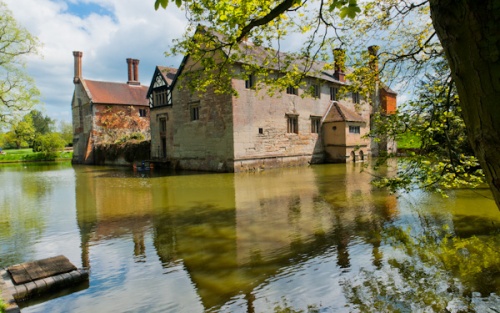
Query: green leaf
pixel 163 3
pixel 178 3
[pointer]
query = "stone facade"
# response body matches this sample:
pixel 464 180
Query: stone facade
pixel 254 130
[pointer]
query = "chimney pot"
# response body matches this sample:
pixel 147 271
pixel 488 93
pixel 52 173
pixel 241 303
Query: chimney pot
pixel 130 71
pixel 136 71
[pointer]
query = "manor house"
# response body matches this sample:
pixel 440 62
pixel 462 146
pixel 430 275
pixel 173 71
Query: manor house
pixel 254 130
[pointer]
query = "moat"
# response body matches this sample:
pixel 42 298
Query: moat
pixel 317 238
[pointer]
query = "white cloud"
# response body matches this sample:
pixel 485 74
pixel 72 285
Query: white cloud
pixel 116 30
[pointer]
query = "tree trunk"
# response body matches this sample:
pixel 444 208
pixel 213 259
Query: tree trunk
pixel 469 31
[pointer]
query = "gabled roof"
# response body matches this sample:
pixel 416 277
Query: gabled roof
pixel 116 93
pixel 167 74
pixel 388 90
pixel 340 113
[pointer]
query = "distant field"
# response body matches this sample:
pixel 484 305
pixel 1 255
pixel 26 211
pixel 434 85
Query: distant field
pixel 27 155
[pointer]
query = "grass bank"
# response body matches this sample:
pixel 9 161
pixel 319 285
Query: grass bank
pixel 2 305
pixel 27 155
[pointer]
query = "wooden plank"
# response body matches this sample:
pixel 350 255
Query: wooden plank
pixel 32 271
pixel 19 274
pixel 56 265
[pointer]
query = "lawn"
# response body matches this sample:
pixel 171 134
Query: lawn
pixel 27 155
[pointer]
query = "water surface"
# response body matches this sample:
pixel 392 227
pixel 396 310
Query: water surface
pixel 301 238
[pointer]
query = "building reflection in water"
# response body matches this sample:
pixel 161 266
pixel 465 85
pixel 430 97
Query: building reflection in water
pixel 232 232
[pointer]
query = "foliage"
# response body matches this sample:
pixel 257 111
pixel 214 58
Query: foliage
pixel 136 136
pixel 119 124
pixel 130 150
pixel 2 304
pixel 51 143
pixel 21 132
pixel 18 92
pixel 432 275
pixel 42 125
pixel 408 140
pixel 66 130
pixel 444 158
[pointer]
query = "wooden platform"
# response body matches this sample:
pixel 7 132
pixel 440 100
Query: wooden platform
pixel 31 271
pixel 27 280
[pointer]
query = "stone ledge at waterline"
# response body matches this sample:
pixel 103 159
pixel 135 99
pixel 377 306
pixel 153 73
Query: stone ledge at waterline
pixel 31 279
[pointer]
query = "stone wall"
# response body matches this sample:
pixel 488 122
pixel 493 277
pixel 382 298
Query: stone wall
pixel 205 143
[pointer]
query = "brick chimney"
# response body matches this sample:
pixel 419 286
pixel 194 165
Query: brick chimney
pixel 339 64
pixel 136 70
pixel 133 72
pixel 78 66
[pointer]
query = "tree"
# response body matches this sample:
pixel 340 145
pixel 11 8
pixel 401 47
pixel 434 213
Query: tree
pixel 22 132
pixel 18 92
pixel 51 143
pixel 43 125
pixel 66 130
pixel 465 31
pixel 468 31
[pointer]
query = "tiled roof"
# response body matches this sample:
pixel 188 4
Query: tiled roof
pixel 168 73
pixel 116 93
pixel 340 113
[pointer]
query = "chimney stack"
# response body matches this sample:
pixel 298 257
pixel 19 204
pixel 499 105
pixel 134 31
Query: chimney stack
pixel 78 66
pixel 136 70
pixel 339 64
pixel 133 72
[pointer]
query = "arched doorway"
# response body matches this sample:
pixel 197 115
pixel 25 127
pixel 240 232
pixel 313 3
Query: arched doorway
pixel 361 155
pixel 353 156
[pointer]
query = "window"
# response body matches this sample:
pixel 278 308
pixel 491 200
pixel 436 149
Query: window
pixel 195 113
pixel 316 91
pixel 355 97
pixel 293 124
pixel 261 131
pixel 333 93
pixel 354 129
pixel 292 90
pixel 315 124
pixel 163 126
pixel 250 82
pixel 162 97
pixel 142 112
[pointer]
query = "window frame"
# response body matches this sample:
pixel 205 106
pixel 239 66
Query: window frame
pixel 353 129
pixel 290 90
pixel 194 111
pixel 333 93
pixel 292 123
pixel 315 124
pixel 316 90
pixel 356 97
pixel 250 82
pixel 143 113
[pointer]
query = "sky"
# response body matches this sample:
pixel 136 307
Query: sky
pixel 106 31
